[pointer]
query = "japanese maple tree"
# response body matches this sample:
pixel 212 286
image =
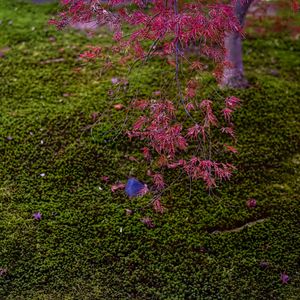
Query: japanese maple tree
pixel 171 27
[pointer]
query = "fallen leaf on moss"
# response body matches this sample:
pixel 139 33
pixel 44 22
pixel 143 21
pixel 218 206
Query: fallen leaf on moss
pixel 117 186
pixel 118 106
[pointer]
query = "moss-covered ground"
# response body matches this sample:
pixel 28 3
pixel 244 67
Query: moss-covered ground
pixel 85 247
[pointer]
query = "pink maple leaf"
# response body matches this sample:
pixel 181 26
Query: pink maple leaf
pixel 117 186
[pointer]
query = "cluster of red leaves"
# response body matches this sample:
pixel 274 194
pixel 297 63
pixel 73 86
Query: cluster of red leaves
pixel 170 140
pixel 160 23
pixel 92 53
pixel 164 136
pixel 157 206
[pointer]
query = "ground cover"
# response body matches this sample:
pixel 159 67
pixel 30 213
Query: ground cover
pixel 85 247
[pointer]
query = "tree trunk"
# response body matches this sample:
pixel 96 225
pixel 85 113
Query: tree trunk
pixel 233 76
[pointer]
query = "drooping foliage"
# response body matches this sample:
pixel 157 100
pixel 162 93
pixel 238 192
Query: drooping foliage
pixel 168 29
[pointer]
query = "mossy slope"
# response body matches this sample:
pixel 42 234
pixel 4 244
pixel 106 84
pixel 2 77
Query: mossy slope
pixel 85 247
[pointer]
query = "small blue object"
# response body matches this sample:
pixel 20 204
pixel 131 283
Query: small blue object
pixel 133 187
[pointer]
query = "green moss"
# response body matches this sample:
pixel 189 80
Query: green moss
pixel 85 247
